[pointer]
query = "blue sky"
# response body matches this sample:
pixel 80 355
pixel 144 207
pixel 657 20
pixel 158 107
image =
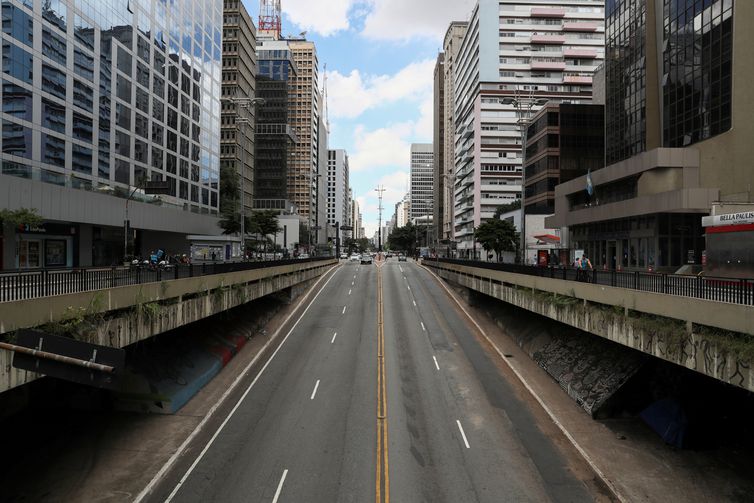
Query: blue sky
pixel 380 57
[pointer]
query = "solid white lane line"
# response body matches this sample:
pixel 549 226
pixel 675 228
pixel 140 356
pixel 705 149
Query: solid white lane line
pixel 344 309
pixel 463 434
pixel 436 364
pixel 280 486
pixel 333 337
pixel 423 328
pixel 414 302
pixel 160 474
pixel 315 390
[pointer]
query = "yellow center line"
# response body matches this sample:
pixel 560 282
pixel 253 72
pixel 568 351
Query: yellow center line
pixel 383 474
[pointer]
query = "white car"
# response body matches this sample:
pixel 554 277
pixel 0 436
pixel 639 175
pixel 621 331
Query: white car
pixel 355 257
pixel 366 259
pixel 303 256
pixel 344 255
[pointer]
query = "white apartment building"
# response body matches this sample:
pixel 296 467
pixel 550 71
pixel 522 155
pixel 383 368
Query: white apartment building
pixel 515 56
pixel 422 183
pixel 337 187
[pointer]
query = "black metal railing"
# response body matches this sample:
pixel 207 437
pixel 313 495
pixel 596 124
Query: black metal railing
pixel 732 290
pixel 22 285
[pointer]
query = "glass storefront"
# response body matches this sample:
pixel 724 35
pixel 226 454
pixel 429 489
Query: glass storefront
pixel 665 242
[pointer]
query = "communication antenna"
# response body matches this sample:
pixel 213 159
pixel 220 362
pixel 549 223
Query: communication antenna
pixel 380 189
pixel 270 17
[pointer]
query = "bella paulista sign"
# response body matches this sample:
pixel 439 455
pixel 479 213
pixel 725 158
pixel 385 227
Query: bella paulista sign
pixel 746 217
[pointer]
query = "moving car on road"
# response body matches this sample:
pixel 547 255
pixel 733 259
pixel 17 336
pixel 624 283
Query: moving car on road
pixel 355 257
pixel 401 258
pixel 366 259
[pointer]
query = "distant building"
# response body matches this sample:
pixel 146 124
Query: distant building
pixel 337 187
pixel 275 138
pixel 678 134
pixel 422 172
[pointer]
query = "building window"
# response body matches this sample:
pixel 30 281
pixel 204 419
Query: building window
pixel 697 57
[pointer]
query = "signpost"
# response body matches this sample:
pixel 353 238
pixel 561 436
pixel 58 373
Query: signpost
pixel 65 358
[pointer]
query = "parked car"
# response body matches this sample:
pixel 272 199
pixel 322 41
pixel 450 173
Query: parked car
pixel 303 256
pixel 401 258
pixel 366 259
pixel 344 255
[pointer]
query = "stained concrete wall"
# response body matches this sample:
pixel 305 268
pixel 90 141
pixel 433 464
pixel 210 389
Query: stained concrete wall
pixel 135 313
pixel 587 307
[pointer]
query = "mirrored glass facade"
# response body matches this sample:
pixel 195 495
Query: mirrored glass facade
pixel 625 79
pixel 697 70
pixel 110 93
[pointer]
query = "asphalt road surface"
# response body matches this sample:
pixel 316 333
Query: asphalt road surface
pixel 381 391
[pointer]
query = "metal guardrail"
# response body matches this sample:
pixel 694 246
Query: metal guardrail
pixel 731 290
pixel 23 285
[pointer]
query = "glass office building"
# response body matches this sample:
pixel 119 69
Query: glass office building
pixel 104 95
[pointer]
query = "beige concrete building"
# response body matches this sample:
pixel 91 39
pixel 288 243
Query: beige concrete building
pixel 304 117
pixel 451 46
pixel 678 136
pixel 238 82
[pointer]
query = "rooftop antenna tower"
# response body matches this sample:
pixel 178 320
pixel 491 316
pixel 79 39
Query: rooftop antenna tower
pixel 270 17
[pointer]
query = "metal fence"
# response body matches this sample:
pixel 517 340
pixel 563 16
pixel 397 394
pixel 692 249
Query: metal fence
pixel 24 285
pixel 732 290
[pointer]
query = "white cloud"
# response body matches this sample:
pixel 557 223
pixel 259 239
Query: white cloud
pixel 401 20
pixel 381 148
pixel 325 17
pixel 351 95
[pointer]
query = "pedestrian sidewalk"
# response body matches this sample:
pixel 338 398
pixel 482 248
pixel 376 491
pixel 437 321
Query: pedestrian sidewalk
pixel 630 458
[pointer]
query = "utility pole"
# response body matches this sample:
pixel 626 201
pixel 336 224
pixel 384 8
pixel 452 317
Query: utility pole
pixel 380 190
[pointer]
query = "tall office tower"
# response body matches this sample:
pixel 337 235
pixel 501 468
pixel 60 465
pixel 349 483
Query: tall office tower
pixel 337 187
pixel 438 178
pixel 349 215
pixel 422 171
pixel 356 219
pixel 515 56
pixel 100 98
pixel 678 134
pixel 319 213
pixel 451 46
pixel 238 86
pixel 274 136
pixel 305 118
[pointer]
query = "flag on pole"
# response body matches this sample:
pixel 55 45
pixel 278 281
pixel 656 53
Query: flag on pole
pixel 589 183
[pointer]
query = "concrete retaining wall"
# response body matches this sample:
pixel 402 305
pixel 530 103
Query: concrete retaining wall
pixel 672 341
pixel 147 310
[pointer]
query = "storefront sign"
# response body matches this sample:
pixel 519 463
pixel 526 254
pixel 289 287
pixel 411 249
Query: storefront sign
pixel 746 217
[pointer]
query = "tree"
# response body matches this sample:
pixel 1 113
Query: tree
pixel 403 238
pixel 505 208
pixel 264 223
pixel 230 201
pixel 498 236
pixel 21 216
